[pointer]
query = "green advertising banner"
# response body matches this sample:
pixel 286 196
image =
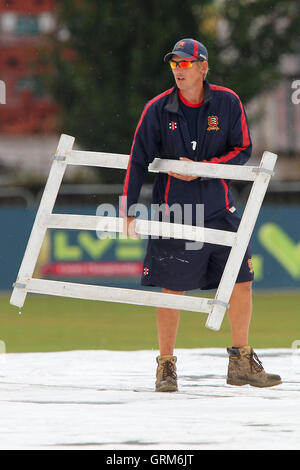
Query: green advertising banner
pixel 81 256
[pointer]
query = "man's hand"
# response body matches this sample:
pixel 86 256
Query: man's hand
pixel 183 177
pixel 129 227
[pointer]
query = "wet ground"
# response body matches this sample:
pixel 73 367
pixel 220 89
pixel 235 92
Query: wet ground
pixel 106 400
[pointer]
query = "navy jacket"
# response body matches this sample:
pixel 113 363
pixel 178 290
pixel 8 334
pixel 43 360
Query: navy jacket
pixel 162 131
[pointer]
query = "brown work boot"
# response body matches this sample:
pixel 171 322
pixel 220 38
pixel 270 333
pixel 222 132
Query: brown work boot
pixel 166 377
pixel 245 368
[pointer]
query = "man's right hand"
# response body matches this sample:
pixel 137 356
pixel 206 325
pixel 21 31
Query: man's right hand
pixel 129 227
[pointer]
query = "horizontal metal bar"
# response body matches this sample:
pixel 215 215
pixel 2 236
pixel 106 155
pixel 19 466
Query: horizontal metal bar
pixel 210 170
pixel 59 158
pixel 19 285
pixel 143 227
pixel 100 159
pixel 119 295
pixel 263 170
pixel 159 165
pixel 219 302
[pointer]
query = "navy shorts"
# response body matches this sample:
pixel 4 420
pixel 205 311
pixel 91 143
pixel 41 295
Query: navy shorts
pixel 169 265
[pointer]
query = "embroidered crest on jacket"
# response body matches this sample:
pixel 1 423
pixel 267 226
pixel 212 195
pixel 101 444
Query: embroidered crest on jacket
pixel 213 122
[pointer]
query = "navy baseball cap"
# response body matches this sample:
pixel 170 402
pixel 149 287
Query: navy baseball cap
pixel 188 49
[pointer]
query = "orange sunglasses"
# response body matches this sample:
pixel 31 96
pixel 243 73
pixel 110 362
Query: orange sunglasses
pixel 183 64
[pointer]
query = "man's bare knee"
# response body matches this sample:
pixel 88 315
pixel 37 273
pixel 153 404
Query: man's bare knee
pixel 245 286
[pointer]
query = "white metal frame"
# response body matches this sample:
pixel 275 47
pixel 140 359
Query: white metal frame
pixel 215 308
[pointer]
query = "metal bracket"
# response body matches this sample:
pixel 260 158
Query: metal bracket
pixel 60 158
pixel 218 302
pixel 19 285
pixel 263 170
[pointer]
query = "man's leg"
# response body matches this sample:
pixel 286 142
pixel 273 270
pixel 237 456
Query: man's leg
pixel 239 313
pixel 167 324
pixel 244 366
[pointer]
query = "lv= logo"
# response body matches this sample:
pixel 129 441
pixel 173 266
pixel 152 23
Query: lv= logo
pixel 282 247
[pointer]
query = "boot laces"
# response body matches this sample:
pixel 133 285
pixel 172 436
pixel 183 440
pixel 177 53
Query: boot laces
pixel 169 370
pixel 255 363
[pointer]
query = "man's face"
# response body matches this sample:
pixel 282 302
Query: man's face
pixel 188 78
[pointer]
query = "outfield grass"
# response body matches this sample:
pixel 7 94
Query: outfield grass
pixel 59 324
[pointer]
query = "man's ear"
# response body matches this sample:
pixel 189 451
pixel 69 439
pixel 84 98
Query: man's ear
pixel 205 66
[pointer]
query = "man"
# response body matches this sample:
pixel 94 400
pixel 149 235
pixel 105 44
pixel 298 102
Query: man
pixel 194 121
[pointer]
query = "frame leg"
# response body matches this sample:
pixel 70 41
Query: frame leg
pixel 244 233
pixel 39 228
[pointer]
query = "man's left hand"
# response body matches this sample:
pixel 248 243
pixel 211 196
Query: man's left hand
pixel 183 177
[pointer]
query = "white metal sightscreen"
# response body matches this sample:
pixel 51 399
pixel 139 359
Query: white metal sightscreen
pixel 45 218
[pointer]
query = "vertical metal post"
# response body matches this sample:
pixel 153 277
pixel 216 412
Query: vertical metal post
pixel 238 250
pixel 39 228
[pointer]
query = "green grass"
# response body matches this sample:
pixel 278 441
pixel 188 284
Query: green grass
pixel 59 324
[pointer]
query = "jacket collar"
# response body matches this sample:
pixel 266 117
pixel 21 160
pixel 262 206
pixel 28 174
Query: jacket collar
pixel 173 100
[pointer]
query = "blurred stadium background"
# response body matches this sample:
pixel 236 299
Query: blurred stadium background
pixel 86 68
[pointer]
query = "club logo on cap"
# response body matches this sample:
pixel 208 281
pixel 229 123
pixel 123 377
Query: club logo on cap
pixel 213 123
pixel 180 45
